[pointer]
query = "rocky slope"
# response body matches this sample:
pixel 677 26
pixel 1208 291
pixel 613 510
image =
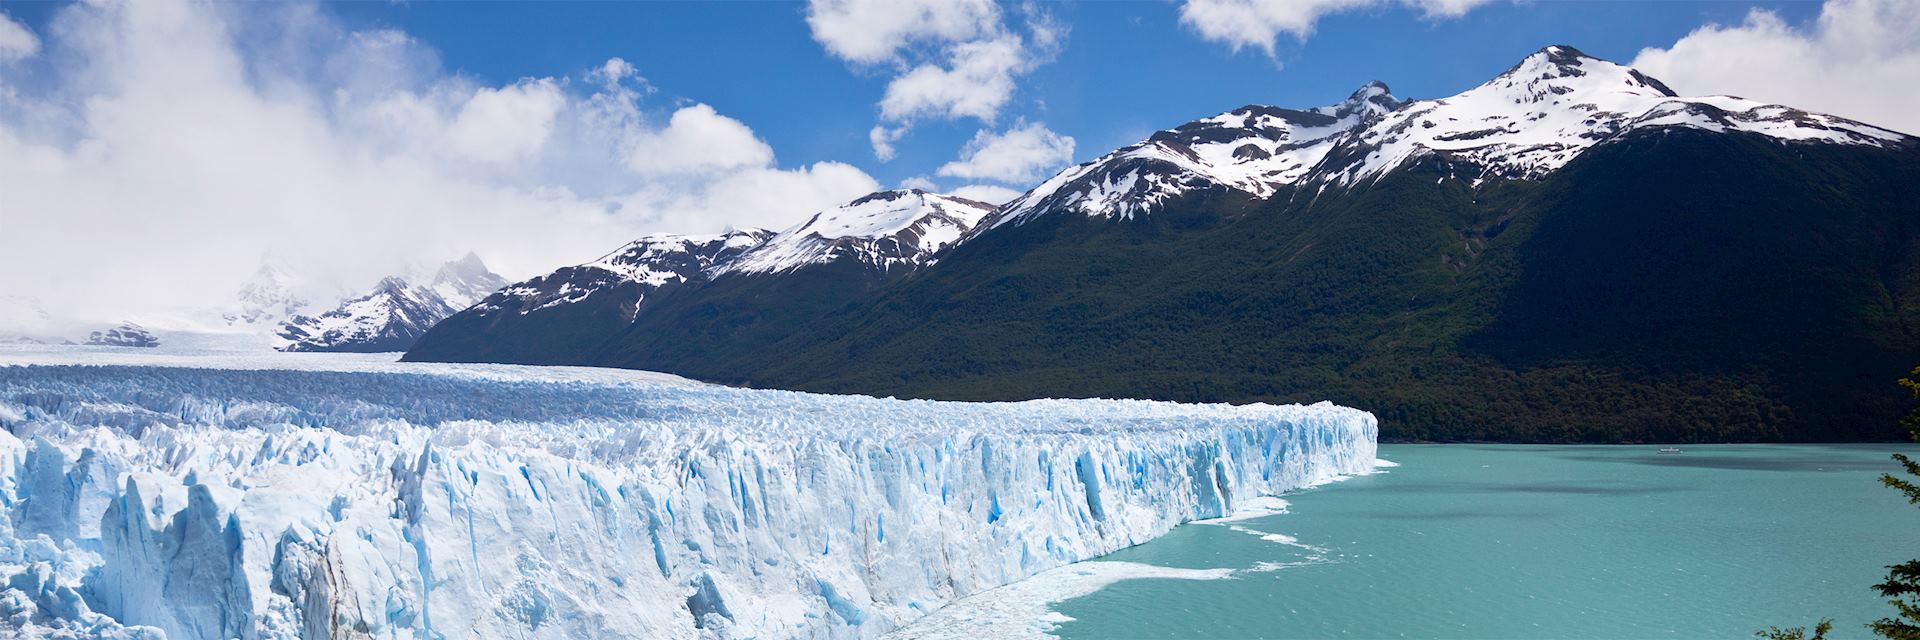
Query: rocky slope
pixel 394 314
pixel 662 286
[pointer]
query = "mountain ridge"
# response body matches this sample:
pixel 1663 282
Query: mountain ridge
pixel 1398 255
pixel 394 314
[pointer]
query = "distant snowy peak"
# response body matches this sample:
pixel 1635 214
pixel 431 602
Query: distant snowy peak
pixel 1255 149
pixel 883 230
pixel 24 320
pixel 127 334
pixel 394 314
pixel 1557 103
pixel 265 298
pixel 649 263
pixel 465 281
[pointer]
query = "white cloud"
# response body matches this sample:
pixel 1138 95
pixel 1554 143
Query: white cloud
pixel 16 40
pixel 950 59
pixel 976 81
pixel 874 31
pixel 1858 60
pixel 882 138
pixel 770 199
pixel 697 140
pixel 1258 23
pixel 922 183
pixel 990 194
pixel 1019 155
pixel 506 124
pixel 182 141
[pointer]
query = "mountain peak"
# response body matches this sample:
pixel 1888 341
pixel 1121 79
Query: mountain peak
pixel 1560 70
pixel 392 285
pixel 1563 54
pixel 268 296
pixel 1556 103
pixel 1371 98
pixel 885 212
pixel 468 269
pixel 1372 89
pixel 887 196
pixel 881 228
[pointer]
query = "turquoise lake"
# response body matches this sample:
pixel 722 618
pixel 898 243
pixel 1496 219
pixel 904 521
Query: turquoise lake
pixel 1470 541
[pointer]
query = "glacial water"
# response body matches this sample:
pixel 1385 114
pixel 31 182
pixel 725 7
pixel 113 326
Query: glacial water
pixel 1465 541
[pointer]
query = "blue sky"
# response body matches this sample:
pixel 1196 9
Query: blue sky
pixel 1127 68
pixel 348 141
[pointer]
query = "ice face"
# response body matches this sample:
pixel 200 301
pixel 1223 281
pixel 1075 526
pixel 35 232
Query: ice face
pixel 321 497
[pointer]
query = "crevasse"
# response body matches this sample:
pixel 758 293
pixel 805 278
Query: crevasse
pixel 357 499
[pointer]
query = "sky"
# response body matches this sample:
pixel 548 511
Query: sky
pixel 153 155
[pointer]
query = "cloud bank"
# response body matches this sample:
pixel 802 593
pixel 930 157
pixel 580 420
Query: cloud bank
pixel 1021 155
pixel 1858 60
pixel 153 154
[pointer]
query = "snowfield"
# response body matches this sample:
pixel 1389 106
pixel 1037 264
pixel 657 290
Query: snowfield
pixel 320 495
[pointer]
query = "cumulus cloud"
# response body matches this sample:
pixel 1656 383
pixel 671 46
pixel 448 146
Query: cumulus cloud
pixel 882 138
pixel 1258 23
pixel 16 41
pixel 1857 60
pixel 507 123
pixel 1021 154
pixel 950 59
pixel 874 31
pixel 988 193
pixel 697 140
pixel 976 80
pixel 182 142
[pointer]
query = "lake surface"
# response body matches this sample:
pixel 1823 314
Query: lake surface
pixel 1468 541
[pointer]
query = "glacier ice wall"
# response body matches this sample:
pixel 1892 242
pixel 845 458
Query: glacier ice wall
pixel 456 501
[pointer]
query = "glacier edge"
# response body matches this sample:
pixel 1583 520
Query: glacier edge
pixel 191 501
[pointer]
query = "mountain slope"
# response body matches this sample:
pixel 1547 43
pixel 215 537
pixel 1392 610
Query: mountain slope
pixel 1254 149
pixel 128 334
pixel 671 291
pixel 1568 252
pixel 394 315
pixel 1632 296
pixel 561 316
pixel 1559 102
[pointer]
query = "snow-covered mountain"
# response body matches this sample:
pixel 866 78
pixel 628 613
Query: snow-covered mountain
pixel 1522 124
pixel 1567 210
pixel 462 282
pixel 834 255
pixel 883 230
pixel 394 314
pixel 1557 103
pixel 265 299
pixel 629 273
pixel 25 320
pixel 1255 149
pixel 128 334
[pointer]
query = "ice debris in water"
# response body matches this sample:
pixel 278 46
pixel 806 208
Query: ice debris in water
pixel 326 497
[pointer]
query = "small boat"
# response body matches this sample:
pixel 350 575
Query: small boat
pixel 1669 450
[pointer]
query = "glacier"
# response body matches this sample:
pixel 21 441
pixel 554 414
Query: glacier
pixel 347 496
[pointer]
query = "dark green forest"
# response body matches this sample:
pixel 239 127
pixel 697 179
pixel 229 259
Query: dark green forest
pixel 1675 286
